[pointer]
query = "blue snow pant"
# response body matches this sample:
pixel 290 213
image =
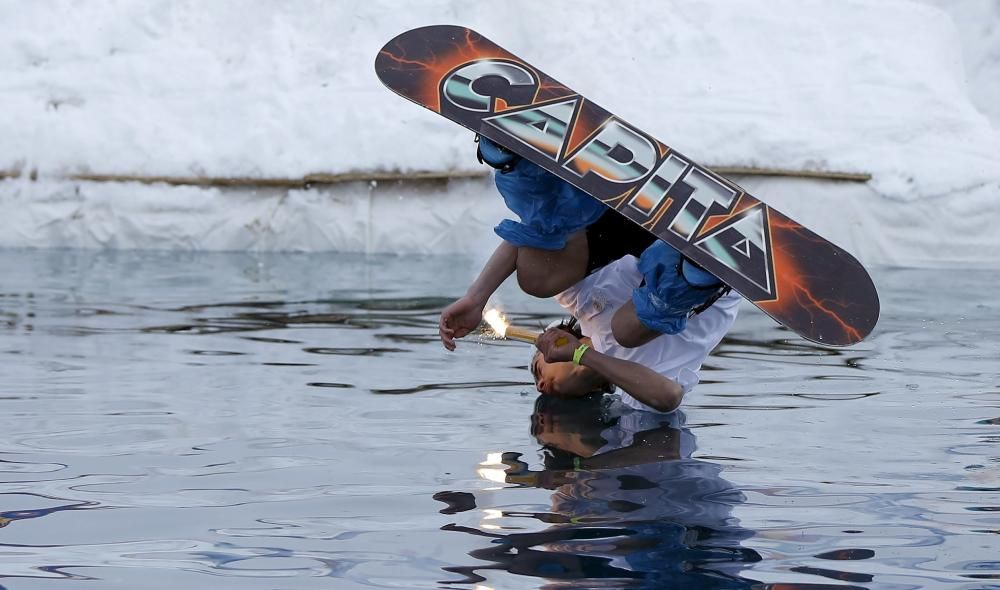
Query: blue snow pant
pixel 549 208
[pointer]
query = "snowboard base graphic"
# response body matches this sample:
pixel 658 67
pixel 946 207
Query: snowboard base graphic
pixel 803 281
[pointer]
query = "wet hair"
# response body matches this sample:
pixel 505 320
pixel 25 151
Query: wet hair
pixel 585 410
pixel 571 325
pixel 584 413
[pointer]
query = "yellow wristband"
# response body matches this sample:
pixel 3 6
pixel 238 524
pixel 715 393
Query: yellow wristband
pixel 578 353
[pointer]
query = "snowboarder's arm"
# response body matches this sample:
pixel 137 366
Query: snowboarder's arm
pixel 464 315
pixel 641 382
pixel 501 265
pixel 644 384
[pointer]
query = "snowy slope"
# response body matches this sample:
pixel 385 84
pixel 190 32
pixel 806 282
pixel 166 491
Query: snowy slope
pixel 252 88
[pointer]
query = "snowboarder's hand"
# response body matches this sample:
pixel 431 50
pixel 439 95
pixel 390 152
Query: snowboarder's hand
pixel 557 345
pixel 458 319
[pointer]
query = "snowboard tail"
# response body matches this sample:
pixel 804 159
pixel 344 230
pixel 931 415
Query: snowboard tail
pixel 800 279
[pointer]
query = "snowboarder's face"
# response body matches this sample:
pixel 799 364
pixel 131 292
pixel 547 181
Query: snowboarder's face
pixel 563 379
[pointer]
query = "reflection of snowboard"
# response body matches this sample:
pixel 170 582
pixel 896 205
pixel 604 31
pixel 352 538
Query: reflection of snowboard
pixel 798 278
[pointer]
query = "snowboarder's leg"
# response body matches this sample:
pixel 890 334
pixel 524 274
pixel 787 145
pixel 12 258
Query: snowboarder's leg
pixel 545 273
pixel 673 289
pixel 550 236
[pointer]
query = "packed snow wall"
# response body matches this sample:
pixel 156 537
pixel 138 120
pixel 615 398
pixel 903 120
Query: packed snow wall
pixel 185 92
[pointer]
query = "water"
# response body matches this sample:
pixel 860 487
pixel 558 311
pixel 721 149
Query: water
pixel 234 421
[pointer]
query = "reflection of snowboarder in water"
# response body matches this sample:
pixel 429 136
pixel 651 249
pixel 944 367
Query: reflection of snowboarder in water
pixel 628 504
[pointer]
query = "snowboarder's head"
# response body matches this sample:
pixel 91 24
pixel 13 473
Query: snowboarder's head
pixel 565 378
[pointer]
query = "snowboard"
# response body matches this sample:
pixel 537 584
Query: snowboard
pixel 800 279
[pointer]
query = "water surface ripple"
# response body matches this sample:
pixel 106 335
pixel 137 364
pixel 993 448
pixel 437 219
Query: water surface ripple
pixel 290 421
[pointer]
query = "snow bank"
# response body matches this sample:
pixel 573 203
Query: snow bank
pixel 453 217
pixel 978 29
pixel 244 88
pixel 456 216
